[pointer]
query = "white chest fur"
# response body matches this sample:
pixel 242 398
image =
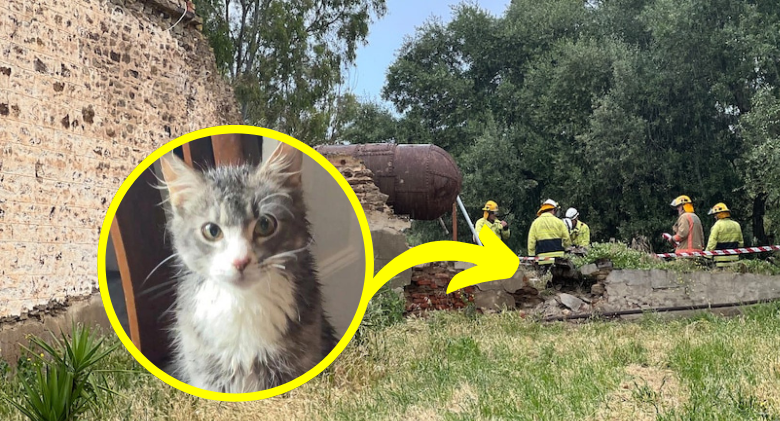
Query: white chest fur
pixel 236 326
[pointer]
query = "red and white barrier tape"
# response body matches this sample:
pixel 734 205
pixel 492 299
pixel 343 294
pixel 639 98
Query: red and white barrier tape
pixel 534 259
pixel 725 252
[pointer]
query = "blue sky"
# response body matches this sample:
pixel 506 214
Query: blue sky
pixel 386 36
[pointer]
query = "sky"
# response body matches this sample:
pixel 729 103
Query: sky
pixel 387 34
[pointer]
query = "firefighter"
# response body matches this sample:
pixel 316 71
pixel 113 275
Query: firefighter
pixel 500 228
pixel 688 232
pixel 548 235
pixel 725 234
pixel 579 232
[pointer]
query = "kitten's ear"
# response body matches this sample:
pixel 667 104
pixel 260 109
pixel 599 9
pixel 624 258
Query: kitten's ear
pixel 284 165
pixel 180 179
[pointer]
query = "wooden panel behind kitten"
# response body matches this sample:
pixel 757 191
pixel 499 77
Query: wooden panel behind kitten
pixel 248 311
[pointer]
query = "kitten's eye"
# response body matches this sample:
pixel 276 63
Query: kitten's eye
pixel 265 226
pixel 211 232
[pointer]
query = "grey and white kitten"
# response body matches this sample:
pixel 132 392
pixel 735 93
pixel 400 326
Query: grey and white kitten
pixel 248 311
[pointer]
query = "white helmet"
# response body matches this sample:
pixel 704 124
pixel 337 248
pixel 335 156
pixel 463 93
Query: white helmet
pixel 569 223
pixel 547 205
pixel 572 213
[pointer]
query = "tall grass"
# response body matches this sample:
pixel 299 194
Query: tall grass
pixel 451 366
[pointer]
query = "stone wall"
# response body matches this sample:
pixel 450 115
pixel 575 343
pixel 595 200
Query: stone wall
pixel 88 88
pixel 387 228
pixel 646 289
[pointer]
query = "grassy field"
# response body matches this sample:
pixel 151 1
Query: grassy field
pixel 466 366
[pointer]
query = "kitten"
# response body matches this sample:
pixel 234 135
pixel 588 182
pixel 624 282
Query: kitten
pixel 248 310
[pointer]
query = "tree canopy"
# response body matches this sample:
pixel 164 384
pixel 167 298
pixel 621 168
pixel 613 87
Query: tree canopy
pixel 614 107
pixel 286 59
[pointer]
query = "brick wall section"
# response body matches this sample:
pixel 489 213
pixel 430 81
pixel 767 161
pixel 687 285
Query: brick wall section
pixel 88 88
pixel 428 290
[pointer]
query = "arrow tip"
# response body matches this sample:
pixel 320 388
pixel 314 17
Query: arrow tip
pixel 494 261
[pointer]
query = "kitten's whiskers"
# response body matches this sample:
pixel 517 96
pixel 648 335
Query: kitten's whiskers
pixel 158 266
pixel 290 253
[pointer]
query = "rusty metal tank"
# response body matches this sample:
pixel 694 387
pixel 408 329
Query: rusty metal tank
pixel 421 181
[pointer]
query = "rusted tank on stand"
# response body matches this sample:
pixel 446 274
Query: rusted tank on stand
pixel 421 181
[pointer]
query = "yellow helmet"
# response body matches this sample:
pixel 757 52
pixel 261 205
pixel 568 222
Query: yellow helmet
pixel 718 209
pixel 680 200
pixel 490 206
pixel 548 204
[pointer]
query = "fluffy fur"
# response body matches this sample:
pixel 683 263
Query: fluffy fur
pixel 237 330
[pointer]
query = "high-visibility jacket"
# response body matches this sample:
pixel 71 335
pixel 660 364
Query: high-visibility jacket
pixel 580 235
pixel 689 233
pixel 547 237
pixel 494 226
pixel 725 234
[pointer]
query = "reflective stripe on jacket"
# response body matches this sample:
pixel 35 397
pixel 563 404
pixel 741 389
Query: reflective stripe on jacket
pixel 580 235
pixel 689 233
pixel 494 226
pixel 547 237
pixel 725 234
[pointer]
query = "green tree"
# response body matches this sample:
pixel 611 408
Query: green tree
pixel 370 122
pixel 614 107
pixel 761 130
pixel 286 60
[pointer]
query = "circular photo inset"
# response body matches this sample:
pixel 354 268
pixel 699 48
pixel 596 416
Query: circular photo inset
pixel 235 263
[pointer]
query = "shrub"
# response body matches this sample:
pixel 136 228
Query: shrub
pixel 623 257
pixel 67 382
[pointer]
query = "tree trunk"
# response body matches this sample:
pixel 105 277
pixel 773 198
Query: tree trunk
pixel 759 208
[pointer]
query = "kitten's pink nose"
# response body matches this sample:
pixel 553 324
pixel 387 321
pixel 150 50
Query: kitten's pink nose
pixel 241 264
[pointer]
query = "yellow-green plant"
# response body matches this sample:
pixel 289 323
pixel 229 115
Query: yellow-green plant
pixel 68 382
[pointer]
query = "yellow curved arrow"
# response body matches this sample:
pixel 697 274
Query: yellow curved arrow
pixel 494 261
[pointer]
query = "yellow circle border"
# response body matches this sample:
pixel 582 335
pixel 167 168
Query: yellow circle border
pixel 106 228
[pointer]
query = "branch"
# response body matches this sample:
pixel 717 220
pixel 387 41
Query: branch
pixel 240 39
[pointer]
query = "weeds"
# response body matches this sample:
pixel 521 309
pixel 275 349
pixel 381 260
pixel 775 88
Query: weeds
pixel 385 309
pixel 624 257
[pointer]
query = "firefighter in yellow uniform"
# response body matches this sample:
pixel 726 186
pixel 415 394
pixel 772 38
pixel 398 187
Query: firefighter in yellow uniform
pixel 580 232
pixel 548 235
pixel 725 234
pixel 500 228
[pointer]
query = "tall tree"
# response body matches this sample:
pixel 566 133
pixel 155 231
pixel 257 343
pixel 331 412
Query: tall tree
pixel 612 106
pixel 286 59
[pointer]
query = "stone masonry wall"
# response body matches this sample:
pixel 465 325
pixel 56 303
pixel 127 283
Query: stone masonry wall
pixel 88 89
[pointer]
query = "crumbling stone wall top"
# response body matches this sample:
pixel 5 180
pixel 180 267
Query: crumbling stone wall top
pixel 379 214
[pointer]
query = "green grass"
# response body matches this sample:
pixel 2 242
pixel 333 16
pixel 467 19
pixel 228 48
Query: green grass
pixel 454 366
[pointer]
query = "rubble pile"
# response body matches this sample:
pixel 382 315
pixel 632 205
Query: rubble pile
pixel 515 292
pixel 428 289
pixel 597 273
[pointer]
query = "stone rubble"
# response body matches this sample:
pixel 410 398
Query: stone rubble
pixel 428 289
